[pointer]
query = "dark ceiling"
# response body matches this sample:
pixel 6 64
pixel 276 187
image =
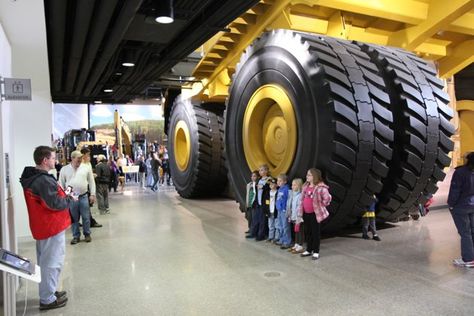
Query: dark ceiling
pixel 89 39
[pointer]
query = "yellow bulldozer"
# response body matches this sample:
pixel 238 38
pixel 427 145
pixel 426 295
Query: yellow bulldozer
pixel 350 87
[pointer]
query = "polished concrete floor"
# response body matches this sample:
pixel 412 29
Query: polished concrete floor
pixel 158 254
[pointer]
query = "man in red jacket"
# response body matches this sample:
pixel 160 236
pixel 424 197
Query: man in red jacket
pixel 48 212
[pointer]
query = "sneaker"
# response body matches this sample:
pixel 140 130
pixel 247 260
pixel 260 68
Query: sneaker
pixel 250 236
pixel 95 224
pixel 315 256
pixel 306 254
pixel 299 249
pixel 59 302
pixel 365 237
pixel 469 264
pixel 60 294
pixel 88 238
pixel 75 241
pixel 461 263
pixel 278 243
pixel 377 238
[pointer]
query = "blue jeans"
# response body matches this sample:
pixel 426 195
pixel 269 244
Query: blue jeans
pixel 272 229
pixel 464 221
pixel 50 254
pixel 285 229
pixel 81 208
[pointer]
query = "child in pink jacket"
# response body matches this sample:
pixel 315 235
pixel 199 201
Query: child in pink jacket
pixel 314 201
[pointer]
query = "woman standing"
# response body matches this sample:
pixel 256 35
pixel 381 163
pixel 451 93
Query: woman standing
pixel 461 206
pixel 149 172
pixel 315 199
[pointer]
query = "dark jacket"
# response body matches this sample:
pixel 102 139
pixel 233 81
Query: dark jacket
pixel 461 191
pixel 155 164
pixel 47 203
pixel 103 173
pixel 141 166
pixel 266 197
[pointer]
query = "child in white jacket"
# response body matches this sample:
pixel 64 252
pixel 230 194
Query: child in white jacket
pixel 293 205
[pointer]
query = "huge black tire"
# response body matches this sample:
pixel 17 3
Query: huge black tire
pixel 422 129
pixel 195 140
pixel 343 117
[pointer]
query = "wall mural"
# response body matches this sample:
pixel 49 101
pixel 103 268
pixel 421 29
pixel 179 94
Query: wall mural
pixel 141 119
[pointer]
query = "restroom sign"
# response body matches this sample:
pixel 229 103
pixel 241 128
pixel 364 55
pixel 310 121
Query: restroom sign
pixel 17 89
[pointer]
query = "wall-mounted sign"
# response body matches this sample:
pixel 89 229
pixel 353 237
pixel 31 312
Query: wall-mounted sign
pixel 17 89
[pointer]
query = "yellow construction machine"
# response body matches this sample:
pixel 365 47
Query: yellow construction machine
pixel 350 87
pixel 123 136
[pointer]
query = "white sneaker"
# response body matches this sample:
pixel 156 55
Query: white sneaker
pixel 459 262
pixel 306 254
pixel 315 256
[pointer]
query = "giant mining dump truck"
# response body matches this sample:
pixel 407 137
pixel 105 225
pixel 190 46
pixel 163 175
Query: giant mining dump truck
pixel 350 87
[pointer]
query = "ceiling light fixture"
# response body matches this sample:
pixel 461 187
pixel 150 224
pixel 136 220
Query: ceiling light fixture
pixel 97 102
pixel 164 11
pixel 108 90
pixel 129 58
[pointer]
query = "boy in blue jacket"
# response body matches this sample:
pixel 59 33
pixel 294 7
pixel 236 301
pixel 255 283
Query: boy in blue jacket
pixel 281 201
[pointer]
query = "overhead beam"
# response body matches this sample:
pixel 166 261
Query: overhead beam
pixel 406 11
pixel 440 15
pixel 459 57
pixel 464 25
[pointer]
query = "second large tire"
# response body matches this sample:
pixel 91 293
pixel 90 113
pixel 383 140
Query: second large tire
pixel 195 140
pixel 299 101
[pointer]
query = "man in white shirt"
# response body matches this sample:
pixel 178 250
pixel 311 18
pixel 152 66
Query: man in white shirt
pixel 80 178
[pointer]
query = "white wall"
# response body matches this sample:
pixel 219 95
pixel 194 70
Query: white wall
pixel 30 121
pixel 7 215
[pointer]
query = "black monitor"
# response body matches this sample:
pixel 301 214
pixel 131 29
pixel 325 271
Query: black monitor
pixel 16 262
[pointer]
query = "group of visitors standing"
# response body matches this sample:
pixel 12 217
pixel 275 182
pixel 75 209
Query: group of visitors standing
pixel 288 217
pixel 152 171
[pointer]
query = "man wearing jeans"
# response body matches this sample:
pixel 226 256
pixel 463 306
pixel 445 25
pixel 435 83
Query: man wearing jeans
pixel 80 178
pixel 48 214
pixel 461 205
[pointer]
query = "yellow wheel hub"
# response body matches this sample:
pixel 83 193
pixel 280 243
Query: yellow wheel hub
pixel 182 145
pixel 269 130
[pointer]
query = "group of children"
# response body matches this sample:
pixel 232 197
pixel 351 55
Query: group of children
pixel 284 214
pixel 291 216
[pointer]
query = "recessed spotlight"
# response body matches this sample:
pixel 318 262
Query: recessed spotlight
pixel 164 19
pixel 97 102
pixel 108 90
pixel 118 73
pixel 128 64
